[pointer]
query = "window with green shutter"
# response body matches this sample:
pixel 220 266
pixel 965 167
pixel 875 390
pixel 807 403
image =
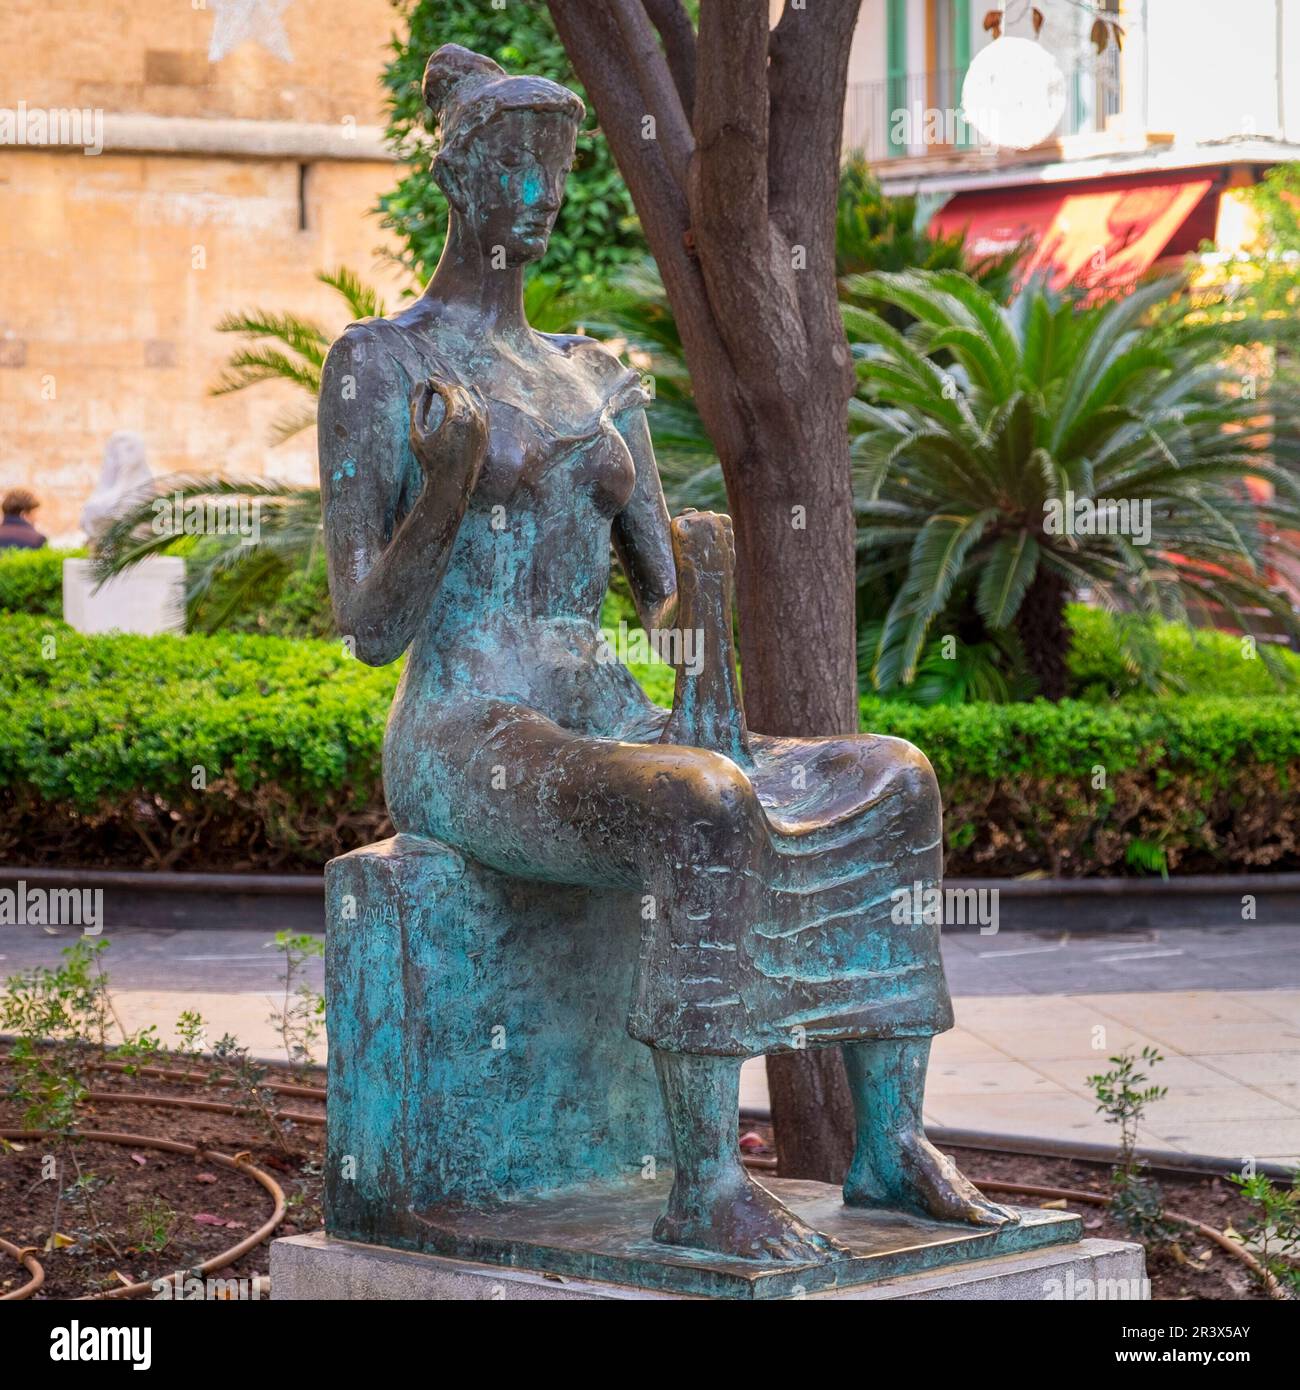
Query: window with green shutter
pixel 953 44
pixel 895 71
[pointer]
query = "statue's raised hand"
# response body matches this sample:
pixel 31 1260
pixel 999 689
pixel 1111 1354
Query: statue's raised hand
pixel 449 432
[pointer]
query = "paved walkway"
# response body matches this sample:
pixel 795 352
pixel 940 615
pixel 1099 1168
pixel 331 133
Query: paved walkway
pixel 1036 1015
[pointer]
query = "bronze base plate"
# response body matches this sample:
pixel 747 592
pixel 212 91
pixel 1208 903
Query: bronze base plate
pixel 604 1233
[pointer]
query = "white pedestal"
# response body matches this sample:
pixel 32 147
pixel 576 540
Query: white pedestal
pixel 314 1266
pixel 148 598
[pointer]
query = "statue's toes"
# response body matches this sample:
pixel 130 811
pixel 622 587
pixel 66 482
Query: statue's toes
pixel 985 1213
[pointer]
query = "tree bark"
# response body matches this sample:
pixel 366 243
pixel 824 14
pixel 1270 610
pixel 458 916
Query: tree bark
pixel 1044 633
pixel 736 193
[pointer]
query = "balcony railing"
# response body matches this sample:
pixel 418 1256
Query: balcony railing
pixel 921 112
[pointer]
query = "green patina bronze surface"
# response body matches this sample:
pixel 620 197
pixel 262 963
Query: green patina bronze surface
pixel 594 910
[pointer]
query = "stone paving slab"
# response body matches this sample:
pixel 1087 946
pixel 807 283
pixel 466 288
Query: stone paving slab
pixel 1232 1066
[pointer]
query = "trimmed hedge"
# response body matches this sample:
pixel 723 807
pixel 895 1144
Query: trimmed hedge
pixel 31 581
pixel 259 752
pixel 1197 783
pixel 187 752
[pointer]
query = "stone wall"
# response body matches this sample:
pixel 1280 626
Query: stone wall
pixel 114 268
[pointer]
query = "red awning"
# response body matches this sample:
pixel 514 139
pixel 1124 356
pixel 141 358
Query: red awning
pixel 1100 237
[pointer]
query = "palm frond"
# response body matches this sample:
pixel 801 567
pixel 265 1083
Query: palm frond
pixel 363 300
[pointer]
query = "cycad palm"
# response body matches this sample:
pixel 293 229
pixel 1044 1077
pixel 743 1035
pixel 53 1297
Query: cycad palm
pixel 982 417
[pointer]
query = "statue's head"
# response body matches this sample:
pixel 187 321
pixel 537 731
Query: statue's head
pixel 507 144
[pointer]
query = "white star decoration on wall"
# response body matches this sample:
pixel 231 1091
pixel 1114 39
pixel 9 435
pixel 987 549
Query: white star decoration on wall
pixel 239 21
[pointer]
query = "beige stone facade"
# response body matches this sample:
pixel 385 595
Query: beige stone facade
pixel 222 185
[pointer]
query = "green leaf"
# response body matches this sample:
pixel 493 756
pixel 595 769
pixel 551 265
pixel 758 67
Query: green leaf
pixel 1008 572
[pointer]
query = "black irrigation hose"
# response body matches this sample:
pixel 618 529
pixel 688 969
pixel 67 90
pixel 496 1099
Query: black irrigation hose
pixel 1166 1161
pixel 215 1107
pixel 1093 1153
pixel 282 1088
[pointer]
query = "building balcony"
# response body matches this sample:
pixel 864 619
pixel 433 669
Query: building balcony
pixel 918 116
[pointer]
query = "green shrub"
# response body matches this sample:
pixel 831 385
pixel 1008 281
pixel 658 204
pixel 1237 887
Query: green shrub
pixel 1107 652
pixel 31 581
pixel 298 604
pixel 186 751
pixel 1208 782
pixel 237 751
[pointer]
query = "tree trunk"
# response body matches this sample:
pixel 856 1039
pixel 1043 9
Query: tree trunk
pixel 1044 633
pixel 736 187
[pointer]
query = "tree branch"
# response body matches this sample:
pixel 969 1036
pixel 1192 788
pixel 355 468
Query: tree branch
pixel 729 190
pixel 669 17
pixel 746 266
pixel 594 44
pixel 656 85
pixel 807 80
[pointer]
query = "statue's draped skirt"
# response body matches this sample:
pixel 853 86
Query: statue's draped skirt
pixel 778 906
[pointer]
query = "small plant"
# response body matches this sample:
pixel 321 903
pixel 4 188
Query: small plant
pixel 79 1196
pixel 303 1207
pixel 239 1074
pixel 1147 856
pixel 300 1019
pixel 1123 1096
pixel 62 1017
pixel 1275 1224
pixel 150 1224
pixel 54 1011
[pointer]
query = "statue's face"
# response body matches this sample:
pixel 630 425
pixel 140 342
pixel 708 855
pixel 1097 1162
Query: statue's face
pixel 512 177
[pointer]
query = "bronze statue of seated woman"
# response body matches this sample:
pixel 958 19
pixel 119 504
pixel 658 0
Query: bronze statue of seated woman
pixel 474 473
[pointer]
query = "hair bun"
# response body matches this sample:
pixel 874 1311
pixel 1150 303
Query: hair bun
pixel 451 69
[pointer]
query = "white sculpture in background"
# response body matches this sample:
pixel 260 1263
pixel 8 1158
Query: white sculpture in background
pixel 125 471
pixel 147 598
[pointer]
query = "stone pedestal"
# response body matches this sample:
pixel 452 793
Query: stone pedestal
pixel 147 599
pixel 318 1267
pixel 478 1040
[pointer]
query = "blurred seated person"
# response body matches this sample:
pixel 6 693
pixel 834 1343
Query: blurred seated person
pixel 16 529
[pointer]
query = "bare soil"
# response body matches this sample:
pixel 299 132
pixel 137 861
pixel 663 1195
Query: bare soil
pixel 128 1213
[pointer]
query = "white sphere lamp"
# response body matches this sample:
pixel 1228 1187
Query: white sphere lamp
pixel 1014 93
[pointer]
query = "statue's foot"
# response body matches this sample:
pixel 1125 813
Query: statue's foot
pixel 740 1218
pixel 917 1177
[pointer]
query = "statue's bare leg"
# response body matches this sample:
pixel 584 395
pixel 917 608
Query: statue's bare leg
pixel 894 1164
pixel 714 1204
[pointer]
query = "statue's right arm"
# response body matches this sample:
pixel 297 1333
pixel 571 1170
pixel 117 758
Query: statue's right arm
pixel 384 572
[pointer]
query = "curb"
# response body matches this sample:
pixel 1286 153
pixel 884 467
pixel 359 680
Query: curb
pixel 267 902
